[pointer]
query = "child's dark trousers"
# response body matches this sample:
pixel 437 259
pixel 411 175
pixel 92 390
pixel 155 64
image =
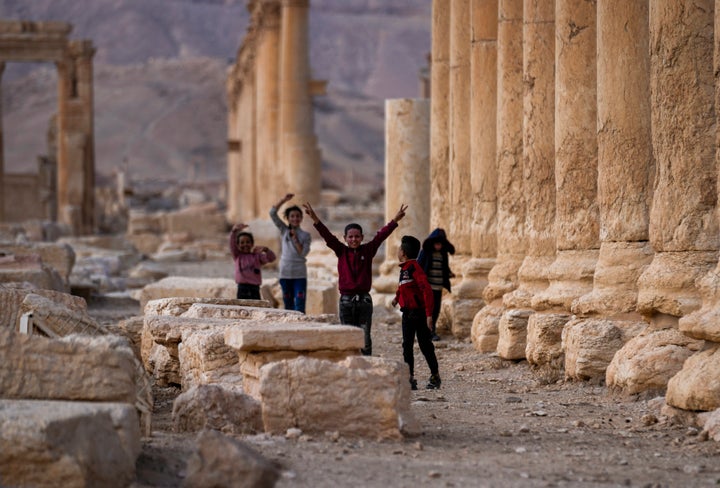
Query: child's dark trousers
pixel 414 323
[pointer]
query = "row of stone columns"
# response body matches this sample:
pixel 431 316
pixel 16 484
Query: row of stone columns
pixel 573 161
pixel 272 148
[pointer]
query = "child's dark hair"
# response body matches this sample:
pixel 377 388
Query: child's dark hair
pixel 294 208
pixel 410 246
pixel 248 234
pixel 353 225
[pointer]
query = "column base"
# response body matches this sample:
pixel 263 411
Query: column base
pixel 571 276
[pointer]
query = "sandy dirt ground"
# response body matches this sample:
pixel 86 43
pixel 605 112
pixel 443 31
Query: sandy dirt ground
pixel 494 423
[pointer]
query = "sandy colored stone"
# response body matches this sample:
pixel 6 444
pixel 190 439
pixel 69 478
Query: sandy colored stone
pixel 258 336
pixel 702 324
pixel 52 443
pixel 484 333
pixel 318 396
pixel 220 460
pixel 512 334
pixel 204 359
pixel 590 345
pixel 697 385
pixel 178 286
pixel 216 407
pixel 648 361
pixel 179 305
pixel 544 338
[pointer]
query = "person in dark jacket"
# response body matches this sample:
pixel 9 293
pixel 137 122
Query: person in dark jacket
pixel 434 261
pixel 416 303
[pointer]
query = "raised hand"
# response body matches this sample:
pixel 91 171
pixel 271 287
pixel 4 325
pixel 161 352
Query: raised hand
pixel 239 227
pixel 310 212
pixel 401 213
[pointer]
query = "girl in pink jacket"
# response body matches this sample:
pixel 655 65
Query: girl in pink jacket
pixel 248 259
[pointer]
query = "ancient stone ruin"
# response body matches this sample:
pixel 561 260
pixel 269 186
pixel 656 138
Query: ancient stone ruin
pixel 272 147
pixel 66 180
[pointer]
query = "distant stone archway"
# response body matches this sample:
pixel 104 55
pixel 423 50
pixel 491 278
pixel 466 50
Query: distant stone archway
pixel 22 41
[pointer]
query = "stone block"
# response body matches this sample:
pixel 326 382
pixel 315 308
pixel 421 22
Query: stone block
pixel 75 368
pixel 318 396
pixel 590 344
pixel 220 460
pixel 648 361
pixel 217 407
pixel 512 334
pixel 697 385
pixel 54 443
pixel 180 286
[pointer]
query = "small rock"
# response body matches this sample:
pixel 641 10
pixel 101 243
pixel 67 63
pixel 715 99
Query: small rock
pixel 524 429
pixel 513 399
pixel 649 419
pixel 520 450
pixel 419 446
pixel 434 474
pixel 293 433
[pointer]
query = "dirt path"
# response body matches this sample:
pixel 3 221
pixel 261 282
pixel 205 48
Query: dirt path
pixel 492 424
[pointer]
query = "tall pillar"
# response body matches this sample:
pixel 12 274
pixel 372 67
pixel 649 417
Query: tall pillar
pixel 247 173
pixel 538 168
pixel 458 225
pixel 683 225
pixel 510 194
pixel 483 128
pixel 300 155
pixel 83 52
pixel 407 179
pixel 521 332
pixel 234 202
pixel 2 151
pixel 267 69
pixel 576 223
pixel 625 159
pixel 439 117
pixel 502 278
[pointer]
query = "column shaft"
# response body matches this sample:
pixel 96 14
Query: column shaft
pixel 683 226
pixel 299 152
pixel 625 160
pixel 459 127
pixel 577 235
pixel 439 118
pixel 510 198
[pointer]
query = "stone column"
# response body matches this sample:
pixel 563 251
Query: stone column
pixel 407 179
pixel 683 225
pixel 299 153
pixel 458 225
pixel 576 223
pixel 83 52
pixel 625 159
pixel 538 166
pixel 625 173
pixel 466 298
pixel 267 59
pixel 67 212
pixel 439 118
pixel 234 197
pixel 520 328
pixel 2 151
pixel 247 135
pixel 483 156
pixel 510 196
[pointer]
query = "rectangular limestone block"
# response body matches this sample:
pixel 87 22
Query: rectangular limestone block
pixel 322 299
pixel 294 336
pixel 182 286
pixel 205 359
pixel 55 443
pixel 179 305
pixel 251 362
pixel 74 368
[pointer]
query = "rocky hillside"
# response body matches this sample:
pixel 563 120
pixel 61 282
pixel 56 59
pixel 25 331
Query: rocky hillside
pixel 160 68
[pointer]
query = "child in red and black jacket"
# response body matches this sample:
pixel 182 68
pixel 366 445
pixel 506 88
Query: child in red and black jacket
pixel 416 303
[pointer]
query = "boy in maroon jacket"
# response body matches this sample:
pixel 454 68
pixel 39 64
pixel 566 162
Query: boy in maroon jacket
pixel 355 270
pixel 416 302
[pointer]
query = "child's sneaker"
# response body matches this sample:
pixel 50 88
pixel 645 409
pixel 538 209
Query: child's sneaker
pixel 434 382
pixel 413 383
